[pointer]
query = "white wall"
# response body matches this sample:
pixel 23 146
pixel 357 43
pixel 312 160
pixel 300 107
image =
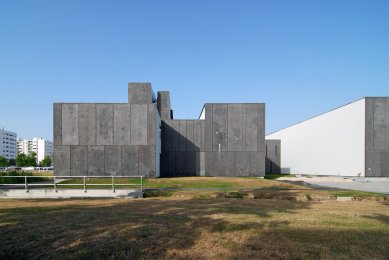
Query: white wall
pixel 329 144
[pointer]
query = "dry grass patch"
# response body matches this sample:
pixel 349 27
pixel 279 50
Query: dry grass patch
pixel 165 228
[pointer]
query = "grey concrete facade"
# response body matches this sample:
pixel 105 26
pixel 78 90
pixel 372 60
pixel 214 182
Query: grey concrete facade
pixel 142 138
pixel 108 139
pixel 228 142
pixel 273 156
pixel 377 137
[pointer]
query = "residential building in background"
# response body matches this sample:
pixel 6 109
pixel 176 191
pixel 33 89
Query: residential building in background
pixel 8 144
pixel 40 146
pixel 352 140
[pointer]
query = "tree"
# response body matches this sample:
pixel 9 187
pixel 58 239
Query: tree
pixel 21 160
pixel 31 159
pixel 46 162
pixel 11 162
pixel 3 162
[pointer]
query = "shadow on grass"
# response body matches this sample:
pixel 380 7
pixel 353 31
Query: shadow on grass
pixel 161 228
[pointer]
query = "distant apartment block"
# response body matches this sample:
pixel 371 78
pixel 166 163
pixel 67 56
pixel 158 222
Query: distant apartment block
pixel 7 143
pixel 40 146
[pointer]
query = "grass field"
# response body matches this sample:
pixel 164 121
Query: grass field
pixel 193 183
pixel 165 228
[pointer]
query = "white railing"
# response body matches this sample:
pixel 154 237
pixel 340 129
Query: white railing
pixel 54 184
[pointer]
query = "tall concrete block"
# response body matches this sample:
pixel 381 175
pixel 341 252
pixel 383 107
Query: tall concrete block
pixel 139 124
pixel 373 163
pixel 219 127
pixel 242 164
pixel 140 93
pixel 122 124
pixel 78 160
pixel 151 124
pixel 190 135
pixel 208 127
pixel 172 163
pixel 130 165
pixel 104 124
pixel 147 161
pixel 226 164
pixel 87 124
pixel 261 127
pixel 211 163
pixel 57 127
pixel 61 160
pixel 235 124
pixel 273 156
pixel 113 160
pixel 381 123
pixel 70 124
pixel 163 104
pixel 175 128
pixel 250 127
pixel 96 160
pixel 384 163
pixel 183 139
pixel 200 163
pixel 197 135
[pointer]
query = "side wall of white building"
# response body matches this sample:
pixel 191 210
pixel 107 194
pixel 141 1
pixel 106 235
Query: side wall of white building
pixel 330 144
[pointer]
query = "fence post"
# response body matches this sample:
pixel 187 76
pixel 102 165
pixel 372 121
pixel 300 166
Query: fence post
pixel 25 183
pixel 141 183
pixel 113 183
pixel 55 184
pixel 84 184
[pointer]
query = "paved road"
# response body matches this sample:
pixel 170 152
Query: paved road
pixel 379 185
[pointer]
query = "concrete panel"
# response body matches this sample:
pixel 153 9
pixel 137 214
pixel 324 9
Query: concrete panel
pixel 147 161
pixel 193 164
pixel 104 124
pixel 190 135
pixel 183 139
pixel 180 163
pixel 79 160
pixel 96 160
pixel 257 163
pixel 113 160
pixel 61 160
pixel 129 160
pixel 369 123
pixel 208 127
pixel 379 124
pixel 384 164
pixel 200 163
pixel 235 124
pixel 87 124
pixel 261 127
pixel 175 128
pixel 172 163
pixel 273 156
pixel 373 163
pixel 139 93
pixel 219 127
pixel 57 127
pixel 164 164
pixel 139 124
pixel 70 124
pixel 242 166
pixel 197 133
pixel 250 127
pixel 122 124
pixel 226 164
pixel 151 124
pixel 211 163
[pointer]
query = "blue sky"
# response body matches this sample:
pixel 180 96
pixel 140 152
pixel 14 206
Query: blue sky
pixel 301 58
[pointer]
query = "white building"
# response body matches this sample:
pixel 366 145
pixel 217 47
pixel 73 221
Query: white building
pixel 352 140
pixel 7 144
pixel 40 146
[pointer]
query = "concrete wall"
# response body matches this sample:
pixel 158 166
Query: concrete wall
pixel 377 137
pixel 230 141
pixel 273 156
pixel 332 143
pixel 108 139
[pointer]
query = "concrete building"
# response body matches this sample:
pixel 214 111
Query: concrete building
pixel 273 156
pixel 142 138
pixel 352 140
pixel 7 144
pixel 40 146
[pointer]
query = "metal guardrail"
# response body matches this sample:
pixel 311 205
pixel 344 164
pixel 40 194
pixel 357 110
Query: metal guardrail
pixel 84 184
